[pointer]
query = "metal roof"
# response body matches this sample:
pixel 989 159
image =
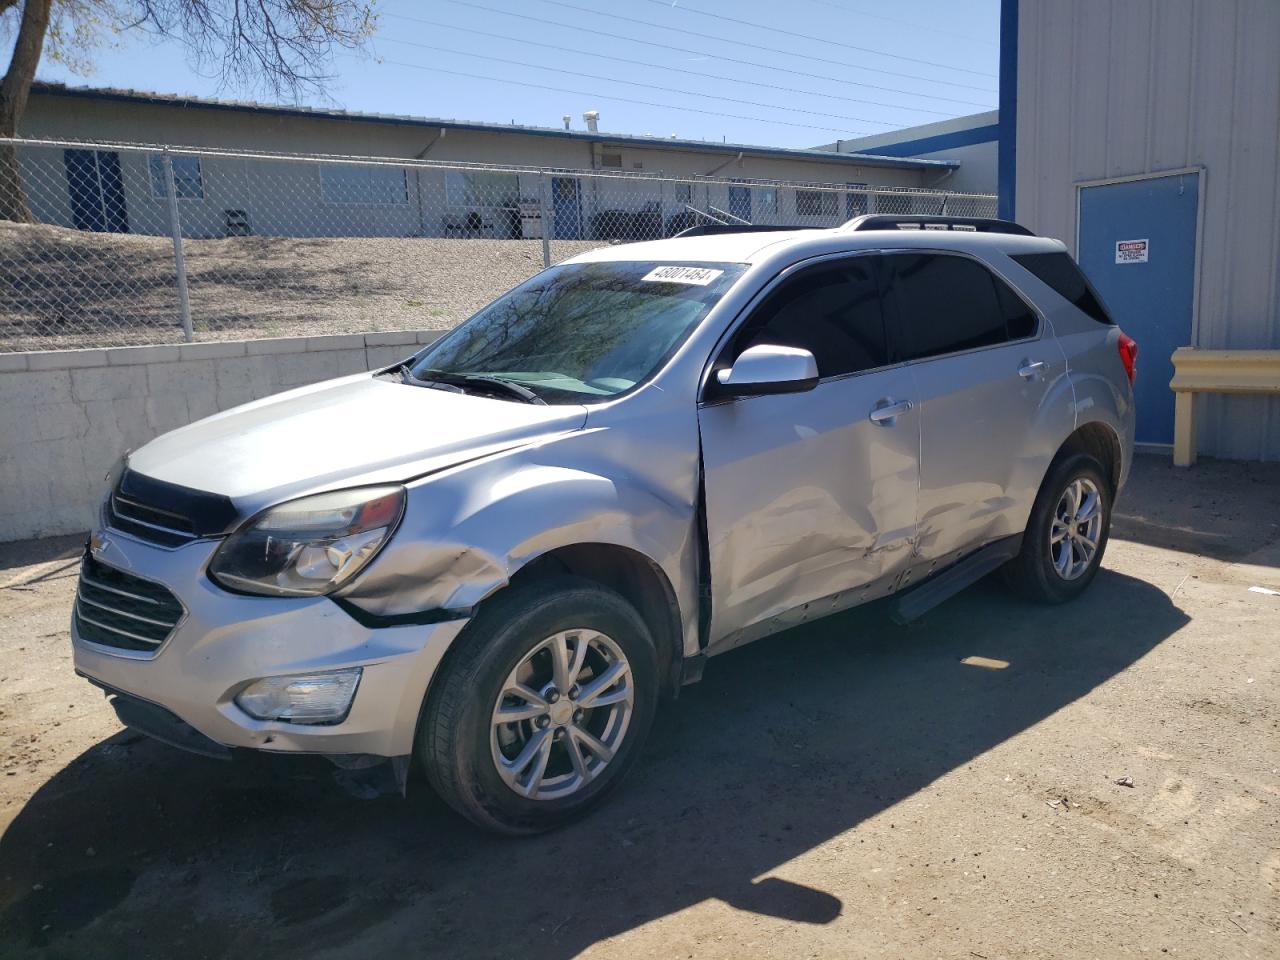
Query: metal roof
pixel 43 88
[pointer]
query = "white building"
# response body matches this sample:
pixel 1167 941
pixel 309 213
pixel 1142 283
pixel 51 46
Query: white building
pixel 123 191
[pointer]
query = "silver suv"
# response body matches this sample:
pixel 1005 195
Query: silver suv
pixel 495 558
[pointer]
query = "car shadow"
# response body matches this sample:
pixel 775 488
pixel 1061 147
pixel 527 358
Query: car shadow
pixel 135 849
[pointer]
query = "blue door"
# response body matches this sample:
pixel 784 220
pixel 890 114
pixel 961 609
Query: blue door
pixel 855 204
pixel 96 190
pixel 566 208
pixel 1138 246
pixel 740 203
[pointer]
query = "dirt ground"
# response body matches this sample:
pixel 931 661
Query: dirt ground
pixel 847 789
pixel 62 289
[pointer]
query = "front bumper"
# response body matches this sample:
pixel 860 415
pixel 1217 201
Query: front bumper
pixel 225 641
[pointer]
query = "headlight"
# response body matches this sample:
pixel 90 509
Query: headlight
pixel 310 546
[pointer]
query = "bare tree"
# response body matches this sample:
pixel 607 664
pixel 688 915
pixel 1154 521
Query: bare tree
pixel 14 88
pixel 281 46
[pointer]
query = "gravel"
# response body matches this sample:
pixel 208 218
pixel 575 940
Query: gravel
pixel 63 289
pixel 846 789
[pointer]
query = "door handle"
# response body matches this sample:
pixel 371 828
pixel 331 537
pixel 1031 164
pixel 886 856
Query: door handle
pixel 886 412
pixel 1030 369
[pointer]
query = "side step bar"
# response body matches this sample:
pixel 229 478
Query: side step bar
pixel 915 603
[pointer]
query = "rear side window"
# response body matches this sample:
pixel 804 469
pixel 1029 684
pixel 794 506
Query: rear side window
pixel 1019 319
pixel 947 304
pixel 1059 271
pixel 833 311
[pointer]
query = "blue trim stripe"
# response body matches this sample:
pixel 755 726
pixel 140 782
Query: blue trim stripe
pixel 1006 165
pixel 942 141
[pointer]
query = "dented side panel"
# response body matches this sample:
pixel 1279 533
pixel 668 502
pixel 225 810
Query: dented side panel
pixel 807 497
pixel 988 434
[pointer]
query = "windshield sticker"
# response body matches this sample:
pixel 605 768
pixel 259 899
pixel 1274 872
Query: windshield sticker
pixel 696 276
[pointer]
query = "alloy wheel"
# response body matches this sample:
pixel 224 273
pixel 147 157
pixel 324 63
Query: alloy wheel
pixel 562 714
pixel 1076 528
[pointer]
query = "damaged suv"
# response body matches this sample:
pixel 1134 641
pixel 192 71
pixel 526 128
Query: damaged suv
pixel 495 558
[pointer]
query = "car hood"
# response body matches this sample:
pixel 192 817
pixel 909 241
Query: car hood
pixel 355 430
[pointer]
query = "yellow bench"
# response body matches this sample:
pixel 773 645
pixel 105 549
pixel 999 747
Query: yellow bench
pixel 1215 371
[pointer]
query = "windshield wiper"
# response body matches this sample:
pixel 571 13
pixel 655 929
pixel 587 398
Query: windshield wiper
pixel 405 375
pixel 464 380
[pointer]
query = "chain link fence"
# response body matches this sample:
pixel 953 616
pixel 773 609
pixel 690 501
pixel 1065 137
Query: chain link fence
pixel 130 244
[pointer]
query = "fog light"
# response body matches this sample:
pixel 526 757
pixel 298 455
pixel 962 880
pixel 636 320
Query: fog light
pixel 305 698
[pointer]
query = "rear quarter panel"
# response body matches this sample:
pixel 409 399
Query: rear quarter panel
pixel 1102 392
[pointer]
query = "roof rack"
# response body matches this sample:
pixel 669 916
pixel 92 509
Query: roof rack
pixel 710 229
pixel 888 221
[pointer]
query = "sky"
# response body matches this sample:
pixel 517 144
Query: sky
pixel 795 73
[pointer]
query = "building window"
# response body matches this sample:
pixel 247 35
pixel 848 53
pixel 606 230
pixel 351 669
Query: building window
pixel 187 183
pixel 684 193
pixel 611 161
pixel 343 183
pixel 816 203
pixel 480 188
pixel 767 200
pixel 855 204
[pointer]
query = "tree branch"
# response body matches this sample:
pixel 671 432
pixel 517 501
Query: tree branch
pixel 282 46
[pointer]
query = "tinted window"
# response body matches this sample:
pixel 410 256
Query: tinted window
pixel 1019 319
pixel 1059 271
pixel 832 311
pixel 945 304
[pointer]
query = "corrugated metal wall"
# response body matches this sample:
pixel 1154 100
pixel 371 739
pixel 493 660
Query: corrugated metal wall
pixel 1113 88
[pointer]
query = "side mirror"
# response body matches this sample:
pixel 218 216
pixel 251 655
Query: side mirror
pixel 767 368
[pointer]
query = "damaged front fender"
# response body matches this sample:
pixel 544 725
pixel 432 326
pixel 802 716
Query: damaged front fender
pixel 466 532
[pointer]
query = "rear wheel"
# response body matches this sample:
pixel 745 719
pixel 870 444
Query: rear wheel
pixel 1066 534
pixel 542 707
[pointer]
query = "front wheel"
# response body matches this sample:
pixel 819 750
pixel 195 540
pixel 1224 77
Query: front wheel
pixel 542 706
pixel 1066 534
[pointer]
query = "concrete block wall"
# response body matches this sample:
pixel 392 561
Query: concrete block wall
pixel 67 415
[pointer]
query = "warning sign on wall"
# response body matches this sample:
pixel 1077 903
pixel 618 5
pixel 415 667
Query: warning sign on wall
pixel 1131 251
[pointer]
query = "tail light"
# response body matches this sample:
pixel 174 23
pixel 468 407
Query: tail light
pixel 1129 356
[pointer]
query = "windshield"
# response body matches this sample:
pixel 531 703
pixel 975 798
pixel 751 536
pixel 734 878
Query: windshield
pixel 582 331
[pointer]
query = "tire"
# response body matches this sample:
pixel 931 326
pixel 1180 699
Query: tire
pixel 471 756
pixel 1037 573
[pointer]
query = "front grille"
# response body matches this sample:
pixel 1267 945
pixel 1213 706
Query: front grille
pixel 149 523
pixel 117 609
pixel 166 514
